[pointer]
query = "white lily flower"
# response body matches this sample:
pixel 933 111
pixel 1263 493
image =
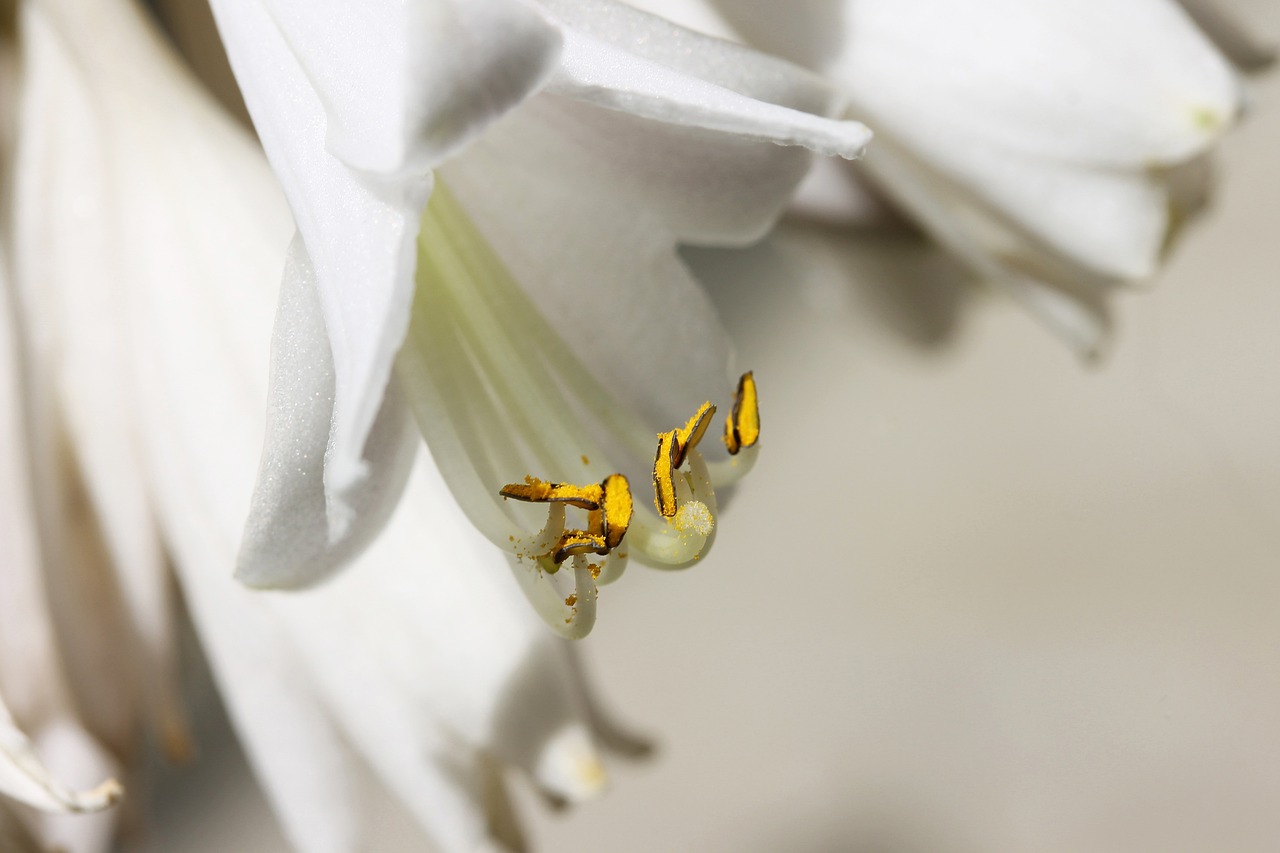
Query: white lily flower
pixel 148 240
pixel 573 146
pixel 1041 141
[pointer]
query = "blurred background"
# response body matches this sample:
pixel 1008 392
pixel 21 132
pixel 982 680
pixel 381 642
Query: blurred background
pixel 976 596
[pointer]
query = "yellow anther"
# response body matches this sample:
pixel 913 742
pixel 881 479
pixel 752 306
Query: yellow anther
pixel 534 490
pixel 614 515
pixel 688 436
pixel 664 470
pixel 742 429
pixel 575 542
pixel 673 446
pixel 608 506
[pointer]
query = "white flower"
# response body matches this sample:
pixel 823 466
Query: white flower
pixel 148 236
pixel 552 331
pixel 1039 140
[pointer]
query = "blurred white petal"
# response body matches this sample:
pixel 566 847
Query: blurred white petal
pixel 1057 121
pixel 79 335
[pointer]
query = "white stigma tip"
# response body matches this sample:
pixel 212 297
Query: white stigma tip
pixel 694 517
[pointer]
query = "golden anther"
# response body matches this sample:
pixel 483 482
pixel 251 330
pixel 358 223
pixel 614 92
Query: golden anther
pixel 742 429
pixel 614 516
pixel 688 436
pixel 608 506
pixel 673 446
pixel 664 469
pixel 534 490
pixel 575 542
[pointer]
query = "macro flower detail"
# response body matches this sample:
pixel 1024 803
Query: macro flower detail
pixel 498 394
pixel 1053 146
pixel 424 664
pixel 517 293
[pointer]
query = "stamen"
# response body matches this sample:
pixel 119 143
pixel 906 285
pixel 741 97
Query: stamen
pixel 609 508
pixel 742 428
pixel 576 543
pixel 691 433
pixel 664 469
pixel 497 390
pixel 673 447
pixel 615 510
pixel 534 490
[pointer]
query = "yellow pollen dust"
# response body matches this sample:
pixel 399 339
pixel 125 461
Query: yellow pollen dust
pixel 742 428
pixel 673 446
pixel 608 505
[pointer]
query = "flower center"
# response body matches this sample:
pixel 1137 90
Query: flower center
pixel 499 396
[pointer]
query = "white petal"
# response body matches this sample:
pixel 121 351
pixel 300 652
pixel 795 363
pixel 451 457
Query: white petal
pixel 404 84
pixel 30 672
pixel 1053 115
pixel 586 216
pixel 199 356
pixel 29 666
pixel 626 60
pixel 81 334
pixel 1078 80
pixel 1113 222
pixel 1076 314
pixel 203 430
pixel 201 418
pixel 358 231
pixel 196 352
pixel 584 206
pixel 391 87
pixel 590 203
pixel 430 650
pixel 294 535
pixel 24 777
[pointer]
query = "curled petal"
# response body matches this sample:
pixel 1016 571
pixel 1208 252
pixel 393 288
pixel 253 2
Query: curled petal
pixel 684 78
pixel 353 106
pixel 295 534
pixel 404 84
